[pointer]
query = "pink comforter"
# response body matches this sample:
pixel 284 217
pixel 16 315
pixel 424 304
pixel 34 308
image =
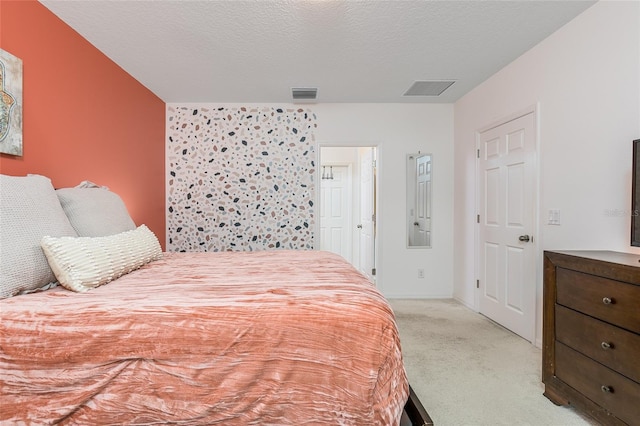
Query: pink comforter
pixel 262 338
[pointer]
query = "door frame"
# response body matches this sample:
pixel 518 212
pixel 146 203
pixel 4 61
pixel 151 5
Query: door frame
pixel 537 256
pixel 377 196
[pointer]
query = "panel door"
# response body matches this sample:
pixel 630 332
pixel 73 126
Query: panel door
pixel 335 211
pixel 506 251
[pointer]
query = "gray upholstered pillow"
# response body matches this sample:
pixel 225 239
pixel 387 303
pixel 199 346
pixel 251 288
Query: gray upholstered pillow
pixel 83 263
pixel 29 210
pixel 95 212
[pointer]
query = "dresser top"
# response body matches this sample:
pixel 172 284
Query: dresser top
pixel 621 258
pixel 610 264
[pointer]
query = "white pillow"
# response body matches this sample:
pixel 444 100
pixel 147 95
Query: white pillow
pixel 29 210
pixel 95 212
pixel 83 263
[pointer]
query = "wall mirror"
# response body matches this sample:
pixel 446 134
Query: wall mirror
pixel 419 200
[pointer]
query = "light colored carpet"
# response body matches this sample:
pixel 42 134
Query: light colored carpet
pixel 469 371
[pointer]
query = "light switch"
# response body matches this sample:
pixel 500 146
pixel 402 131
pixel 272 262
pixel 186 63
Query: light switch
pixel 554 217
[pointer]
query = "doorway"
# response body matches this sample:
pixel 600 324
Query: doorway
pixel 347 204
pixel 506 248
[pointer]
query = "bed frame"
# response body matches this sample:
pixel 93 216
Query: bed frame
pixel 414 413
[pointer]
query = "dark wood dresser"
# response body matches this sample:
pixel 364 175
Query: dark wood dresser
pixel 591 333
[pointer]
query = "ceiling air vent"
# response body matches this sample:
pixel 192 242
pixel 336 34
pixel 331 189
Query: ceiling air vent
pixel 304 93
pixel 428 87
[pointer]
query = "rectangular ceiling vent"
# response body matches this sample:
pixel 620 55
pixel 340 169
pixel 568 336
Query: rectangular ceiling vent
pixel 304 93
pixel 428 87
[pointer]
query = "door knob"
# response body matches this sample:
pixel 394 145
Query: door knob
pixel 524 238
pixel 359 226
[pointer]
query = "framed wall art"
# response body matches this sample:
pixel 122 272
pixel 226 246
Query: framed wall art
pixel 10 104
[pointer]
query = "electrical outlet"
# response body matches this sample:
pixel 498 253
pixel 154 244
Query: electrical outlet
pixel 420 273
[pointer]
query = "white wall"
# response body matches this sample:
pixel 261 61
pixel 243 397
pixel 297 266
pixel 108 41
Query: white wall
pixel 397 130
pixel 585 79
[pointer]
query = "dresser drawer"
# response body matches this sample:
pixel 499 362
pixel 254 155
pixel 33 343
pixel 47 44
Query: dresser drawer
pixel 620 395
pixel 612 301
pixel 614 347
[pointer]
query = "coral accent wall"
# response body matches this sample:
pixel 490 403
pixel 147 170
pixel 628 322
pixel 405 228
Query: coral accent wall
pixel 84 117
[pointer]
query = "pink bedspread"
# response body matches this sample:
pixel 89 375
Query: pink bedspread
pixel 262 338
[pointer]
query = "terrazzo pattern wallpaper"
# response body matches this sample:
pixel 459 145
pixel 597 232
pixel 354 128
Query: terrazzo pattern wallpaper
pixel 240 179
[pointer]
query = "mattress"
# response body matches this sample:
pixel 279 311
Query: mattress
pixel 252 338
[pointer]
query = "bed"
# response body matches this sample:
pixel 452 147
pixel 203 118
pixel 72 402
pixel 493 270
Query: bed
pixel 263 338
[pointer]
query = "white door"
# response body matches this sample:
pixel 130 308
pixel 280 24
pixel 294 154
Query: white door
pixel 367 212
pixel 335 211
pixel 506 251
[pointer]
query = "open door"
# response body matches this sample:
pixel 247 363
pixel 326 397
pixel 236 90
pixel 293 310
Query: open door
pixel 352 195
pixel 368 212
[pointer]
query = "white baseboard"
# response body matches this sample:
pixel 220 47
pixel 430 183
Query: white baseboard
pixel 462 302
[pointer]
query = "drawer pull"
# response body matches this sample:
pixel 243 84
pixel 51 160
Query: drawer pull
pixel 607 300
pixel 606 389
pixel 606 345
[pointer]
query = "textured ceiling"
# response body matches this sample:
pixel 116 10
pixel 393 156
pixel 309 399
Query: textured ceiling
pixel 353 51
